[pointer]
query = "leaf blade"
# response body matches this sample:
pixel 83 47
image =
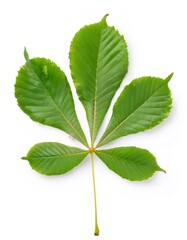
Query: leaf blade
pixel 142 105
pixel 43 93
pixel 134 164
pixel 51 158
pixel 98 63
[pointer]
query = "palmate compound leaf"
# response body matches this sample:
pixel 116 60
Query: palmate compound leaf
pixel 143 104
pixel 134 164
pixel 43 93
pixel 51 158
pixel 98 61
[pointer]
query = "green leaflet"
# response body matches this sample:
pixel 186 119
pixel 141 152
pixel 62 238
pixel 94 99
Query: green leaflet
pixel 43 93
pixel 143 104
pixel 52 158
pixel 98 62
pixel 132 163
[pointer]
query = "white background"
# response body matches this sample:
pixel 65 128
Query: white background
pixel 37 207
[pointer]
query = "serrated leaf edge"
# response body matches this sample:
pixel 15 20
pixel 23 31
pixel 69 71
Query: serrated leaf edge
pixel 164 116
pixel 130 179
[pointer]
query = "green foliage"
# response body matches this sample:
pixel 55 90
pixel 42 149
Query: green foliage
pixel 143 104
pixel 98 62
pixel 132 163
pixel 43 92
pixel 52 158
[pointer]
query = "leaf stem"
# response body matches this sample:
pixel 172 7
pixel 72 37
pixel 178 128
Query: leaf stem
pixel 96 231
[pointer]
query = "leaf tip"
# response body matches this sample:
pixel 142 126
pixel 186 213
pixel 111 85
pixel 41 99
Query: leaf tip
pixel 162 170
pixel 23 158
pixel 169 77
pixel 26 55
pixel 104 18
